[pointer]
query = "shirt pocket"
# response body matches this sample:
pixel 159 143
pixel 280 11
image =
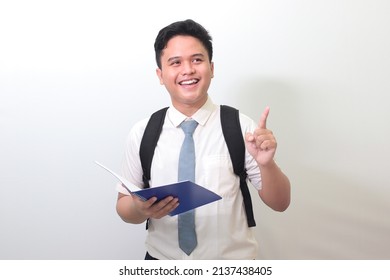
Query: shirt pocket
pixel 218 176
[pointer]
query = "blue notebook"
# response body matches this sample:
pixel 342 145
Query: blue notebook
pixel 190 194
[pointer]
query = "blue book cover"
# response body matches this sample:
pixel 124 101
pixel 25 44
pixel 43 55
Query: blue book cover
pixel 190 194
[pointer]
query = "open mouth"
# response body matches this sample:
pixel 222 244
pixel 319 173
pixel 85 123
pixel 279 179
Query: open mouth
pixel 189 82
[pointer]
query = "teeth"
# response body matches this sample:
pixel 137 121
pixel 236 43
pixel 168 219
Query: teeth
pixel 189 82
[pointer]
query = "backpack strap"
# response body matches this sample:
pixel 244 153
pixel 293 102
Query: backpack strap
pixel 149 142
pixel 231 129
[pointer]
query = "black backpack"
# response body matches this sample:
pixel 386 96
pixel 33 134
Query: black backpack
pixel 233 136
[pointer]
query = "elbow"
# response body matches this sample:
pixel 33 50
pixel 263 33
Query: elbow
pixel 119 211
pixel 284 202
pixel 283 198
pixel 125 211
pixel 123 208
pixel 282 206
pixel 276 201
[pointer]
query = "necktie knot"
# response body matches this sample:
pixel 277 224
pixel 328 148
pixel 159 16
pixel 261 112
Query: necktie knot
pixel 189 126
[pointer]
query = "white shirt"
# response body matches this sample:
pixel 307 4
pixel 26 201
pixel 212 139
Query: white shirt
pixel 221 227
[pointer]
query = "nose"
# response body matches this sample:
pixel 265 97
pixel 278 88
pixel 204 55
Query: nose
pixel 187 69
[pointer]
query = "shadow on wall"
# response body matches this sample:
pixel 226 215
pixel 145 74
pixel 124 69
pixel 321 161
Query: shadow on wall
pixel 330 217
pixel 333 214
pixel 285 120
pixel 284 99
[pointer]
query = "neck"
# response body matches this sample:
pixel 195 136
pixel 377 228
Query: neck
pixel 189 109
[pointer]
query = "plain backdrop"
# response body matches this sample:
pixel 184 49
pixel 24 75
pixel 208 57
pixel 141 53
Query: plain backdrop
pixel 76 75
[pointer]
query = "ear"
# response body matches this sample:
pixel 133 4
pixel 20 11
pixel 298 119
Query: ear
pixel 159 75
pixel 212 69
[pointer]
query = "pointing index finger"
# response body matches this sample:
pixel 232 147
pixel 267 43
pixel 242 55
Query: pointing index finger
pixel 263 118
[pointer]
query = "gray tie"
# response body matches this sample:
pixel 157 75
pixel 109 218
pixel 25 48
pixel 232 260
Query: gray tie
pixel 186 221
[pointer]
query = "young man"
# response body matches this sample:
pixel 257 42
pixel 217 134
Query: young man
pixel 184 58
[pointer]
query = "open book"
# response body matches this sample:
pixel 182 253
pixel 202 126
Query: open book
pixel 190 194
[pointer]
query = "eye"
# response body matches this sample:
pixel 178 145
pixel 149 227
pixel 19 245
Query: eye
pixel 197 60
pixel 175 62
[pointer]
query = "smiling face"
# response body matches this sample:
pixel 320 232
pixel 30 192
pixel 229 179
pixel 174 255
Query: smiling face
pixel 186 72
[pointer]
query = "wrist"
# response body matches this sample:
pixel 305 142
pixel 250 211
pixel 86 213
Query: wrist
pixel 271 164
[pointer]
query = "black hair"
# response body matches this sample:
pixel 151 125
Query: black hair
pixel 187 28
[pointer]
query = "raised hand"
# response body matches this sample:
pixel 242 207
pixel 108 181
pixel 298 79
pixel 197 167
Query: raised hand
pixel 261 144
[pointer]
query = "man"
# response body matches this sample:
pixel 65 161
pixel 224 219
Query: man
pixel 184 58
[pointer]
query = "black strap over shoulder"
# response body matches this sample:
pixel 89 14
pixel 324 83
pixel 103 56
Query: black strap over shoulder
pixel 149 142
pixel 232 133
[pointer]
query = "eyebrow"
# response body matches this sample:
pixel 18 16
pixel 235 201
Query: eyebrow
pixel 178 57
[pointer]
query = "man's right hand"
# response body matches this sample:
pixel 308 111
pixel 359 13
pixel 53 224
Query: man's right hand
pixel 133 209
pixel 152 209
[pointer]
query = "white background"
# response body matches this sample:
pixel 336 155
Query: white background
pixel 76 75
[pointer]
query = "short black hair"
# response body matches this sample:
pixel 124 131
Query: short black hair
pixel 187 28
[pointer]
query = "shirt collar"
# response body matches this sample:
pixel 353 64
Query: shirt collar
pixel 201 116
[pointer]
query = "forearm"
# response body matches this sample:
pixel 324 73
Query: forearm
pixel 126 210
pixel 275 191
